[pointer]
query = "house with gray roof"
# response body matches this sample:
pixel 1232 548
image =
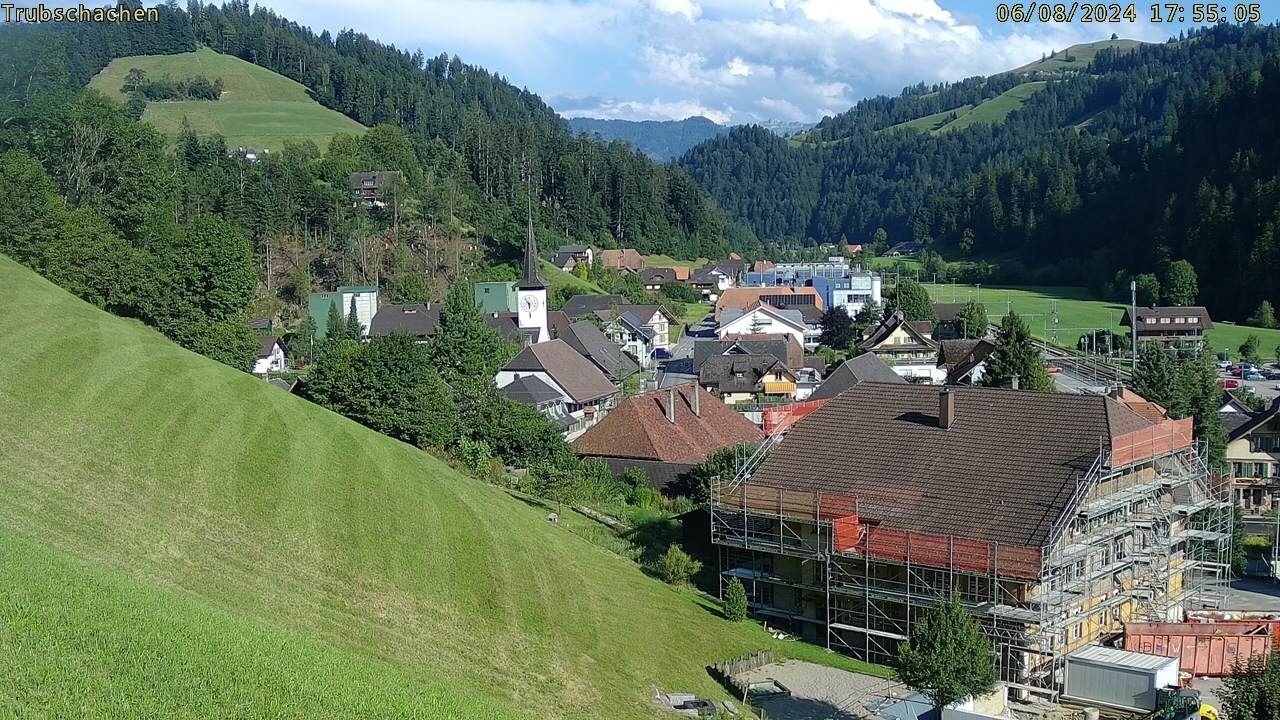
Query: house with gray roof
pixel 586 391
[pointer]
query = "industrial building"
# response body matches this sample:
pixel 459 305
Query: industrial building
pixel 1054 518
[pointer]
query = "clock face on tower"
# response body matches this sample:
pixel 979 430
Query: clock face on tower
pixel 529 303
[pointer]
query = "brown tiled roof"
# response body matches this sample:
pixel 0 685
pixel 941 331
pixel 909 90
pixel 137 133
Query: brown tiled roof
pixel 1003 472
pixel 960 357
pixel 682 272
pixel 882 331
pixel 626 258
pixel 742 298
pixel 1170 312
pixel 582 380
pixel 638 428
pixel 793 354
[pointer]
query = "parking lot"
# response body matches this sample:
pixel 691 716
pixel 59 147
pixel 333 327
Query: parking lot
pixel 1265 388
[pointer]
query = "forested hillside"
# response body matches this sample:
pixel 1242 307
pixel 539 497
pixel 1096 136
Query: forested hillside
pixel 1030 190
pixel 500 137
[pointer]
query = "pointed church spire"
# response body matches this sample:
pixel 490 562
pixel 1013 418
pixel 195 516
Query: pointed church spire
pixel 530 280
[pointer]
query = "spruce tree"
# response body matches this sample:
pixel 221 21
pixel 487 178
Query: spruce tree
pixel 354 329
pixel 1157 374
pixel 1015 355
pixel 335 325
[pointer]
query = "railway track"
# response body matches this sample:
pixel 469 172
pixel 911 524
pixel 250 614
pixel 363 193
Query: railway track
pixel 1083 366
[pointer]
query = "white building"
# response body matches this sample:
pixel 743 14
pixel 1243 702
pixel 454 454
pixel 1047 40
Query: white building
pixel 763 319
pixel 270 356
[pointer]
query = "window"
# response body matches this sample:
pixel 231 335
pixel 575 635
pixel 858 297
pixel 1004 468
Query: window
pixel 1193 320
pixel 1151 321
pixel 1179 321
pixel 1164 321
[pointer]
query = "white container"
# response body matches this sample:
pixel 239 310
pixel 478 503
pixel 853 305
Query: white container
pixel 1118 678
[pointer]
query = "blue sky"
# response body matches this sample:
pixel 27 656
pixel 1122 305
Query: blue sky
pixel 730 60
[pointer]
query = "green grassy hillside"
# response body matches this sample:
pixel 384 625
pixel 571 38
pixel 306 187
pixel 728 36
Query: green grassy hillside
pixel 258 108
pixel 1080 56
pixel 181 539
pixel 993 111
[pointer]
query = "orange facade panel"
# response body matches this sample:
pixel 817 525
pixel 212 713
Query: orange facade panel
pixel 778 419
pixel 1164 437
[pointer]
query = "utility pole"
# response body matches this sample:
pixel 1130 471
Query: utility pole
pixel 1133 325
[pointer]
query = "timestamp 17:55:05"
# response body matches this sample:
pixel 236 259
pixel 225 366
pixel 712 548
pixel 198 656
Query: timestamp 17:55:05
pixel 1116 12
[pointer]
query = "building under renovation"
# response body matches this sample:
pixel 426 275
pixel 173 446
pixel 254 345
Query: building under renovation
pixel 1055 518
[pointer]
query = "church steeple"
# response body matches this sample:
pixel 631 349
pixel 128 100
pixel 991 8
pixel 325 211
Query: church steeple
pixel 531 280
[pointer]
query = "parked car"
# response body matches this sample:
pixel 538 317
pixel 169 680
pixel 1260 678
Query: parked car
pixel 1276 387
pixel 1230 384
pixel 1052 369
pixel 1224 364
pixel 1249 390
pixel 1253 375
pixel 1271 374
pixel 1237 372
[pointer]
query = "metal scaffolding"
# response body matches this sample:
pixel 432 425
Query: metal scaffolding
pixel 1146 534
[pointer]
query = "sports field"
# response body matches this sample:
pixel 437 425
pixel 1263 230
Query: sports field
pixel 1079 311
pixel 258 108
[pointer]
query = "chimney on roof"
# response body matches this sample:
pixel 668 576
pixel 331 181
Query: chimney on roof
pixel 1117 391
pixel 1015 382
pixel 671 405
pixel 946 408
pixel 694 403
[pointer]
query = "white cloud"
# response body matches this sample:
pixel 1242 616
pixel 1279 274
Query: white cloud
pixel 687 8
pixel 745 59
pixel 655 109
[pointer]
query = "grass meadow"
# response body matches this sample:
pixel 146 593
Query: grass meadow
pixel 179 538
pixel 258 108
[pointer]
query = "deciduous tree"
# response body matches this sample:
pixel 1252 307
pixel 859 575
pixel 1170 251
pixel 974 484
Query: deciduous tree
pixel 946 658
pixel 837 328
pixel 912 300
pixel 971 320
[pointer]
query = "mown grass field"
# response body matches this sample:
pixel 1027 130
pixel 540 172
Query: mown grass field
pixel 258 108
pixel 180 539
pixel 993 110
pixel 1080 311
pixel 668 261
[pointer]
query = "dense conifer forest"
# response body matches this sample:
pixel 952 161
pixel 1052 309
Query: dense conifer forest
pixel 1139 160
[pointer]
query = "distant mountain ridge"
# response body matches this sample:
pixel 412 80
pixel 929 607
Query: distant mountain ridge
pixel 666 140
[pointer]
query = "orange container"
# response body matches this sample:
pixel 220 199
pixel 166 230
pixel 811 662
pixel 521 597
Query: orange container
pixel 1211 650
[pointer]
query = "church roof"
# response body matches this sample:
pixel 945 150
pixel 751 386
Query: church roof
pixel 531 280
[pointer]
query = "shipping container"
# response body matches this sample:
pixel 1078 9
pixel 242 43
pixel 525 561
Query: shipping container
pixel 1117 678
pixel 1205 649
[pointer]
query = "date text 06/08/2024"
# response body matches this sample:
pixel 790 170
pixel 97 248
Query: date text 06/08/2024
pixel 1114 12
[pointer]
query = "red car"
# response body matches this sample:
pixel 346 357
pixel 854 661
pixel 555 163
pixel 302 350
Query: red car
pixel 1052 369
pixel 1237 372
pixel 1230 384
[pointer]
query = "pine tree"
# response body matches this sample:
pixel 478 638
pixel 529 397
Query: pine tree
pixel 354 330
pixel 335 325
pixel 947 658
pixel 1015 355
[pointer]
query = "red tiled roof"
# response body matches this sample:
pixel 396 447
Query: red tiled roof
pixel 638 428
